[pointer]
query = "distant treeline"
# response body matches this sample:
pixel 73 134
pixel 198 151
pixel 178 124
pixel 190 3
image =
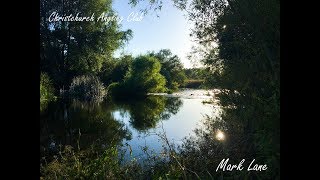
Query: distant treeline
pixel 195 78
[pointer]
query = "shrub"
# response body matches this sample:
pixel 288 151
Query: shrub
pixel 87 87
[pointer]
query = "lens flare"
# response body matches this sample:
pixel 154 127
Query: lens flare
pixel 220 135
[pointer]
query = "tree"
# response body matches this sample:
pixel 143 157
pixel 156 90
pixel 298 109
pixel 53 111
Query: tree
pixel 116 69
pixel 196 73
pixel 142 78
pixel 72 48
pixel 171 68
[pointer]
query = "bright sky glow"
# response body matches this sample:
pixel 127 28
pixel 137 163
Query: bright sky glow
pixel 168 31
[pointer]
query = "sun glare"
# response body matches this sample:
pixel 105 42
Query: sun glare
pixel 220 135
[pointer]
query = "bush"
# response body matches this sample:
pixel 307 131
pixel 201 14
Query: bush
pixel 142 78
pixel 46 88
pixel 87 87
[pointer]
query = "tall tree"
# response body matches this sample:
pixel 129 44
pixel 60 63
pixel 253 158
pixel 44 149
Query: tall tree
pixel 70 48
pixel 171 68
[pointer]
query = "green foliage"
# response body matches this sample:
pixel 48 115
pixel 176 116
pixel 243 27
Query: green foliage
pixel 87 87
pixel 196 73
pixel 84 164
pixel 69 49
pixel 123 65
pixel 116 69
pixel 107 71
pixel 171 68
pixel 142 78
pixel 198 78
pixel 145 75
pixel 46 90
pixel 194 84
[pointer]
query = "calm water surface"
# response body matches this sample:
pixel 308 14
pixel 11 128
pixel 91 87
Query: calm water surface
pixel 133 124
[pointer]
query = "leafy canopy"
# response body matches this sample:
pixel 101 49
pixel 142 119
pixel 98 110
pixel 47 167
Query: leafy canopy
pixel 69 49
pixel 142 78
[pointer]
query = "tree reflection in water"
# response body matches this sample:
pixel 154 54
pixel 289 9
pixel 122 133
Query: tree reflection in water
pixel 91 129
pixel 146 113
pixel 79 124
pixel 84 125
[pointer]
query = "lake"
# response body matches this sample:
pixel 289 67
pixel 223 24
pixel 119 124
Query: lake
pixel 134 125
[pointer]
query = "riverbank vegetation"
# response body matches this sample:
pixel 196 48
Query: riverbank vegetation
pixel 72 52
pixel 143 77
pixel 46 90
pixel 87 88
pixel 244 64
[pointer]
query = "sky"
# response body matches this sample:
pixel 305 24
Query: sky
pixel 168 31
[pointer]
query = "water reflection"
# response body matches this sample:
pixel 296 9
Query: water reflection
pixel 93 125
pixel 222 134
pixel 236 136
pixel 146 113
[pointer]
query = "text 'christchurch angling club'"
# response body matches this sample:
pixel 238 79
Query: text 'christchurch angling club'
pixel 103 17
